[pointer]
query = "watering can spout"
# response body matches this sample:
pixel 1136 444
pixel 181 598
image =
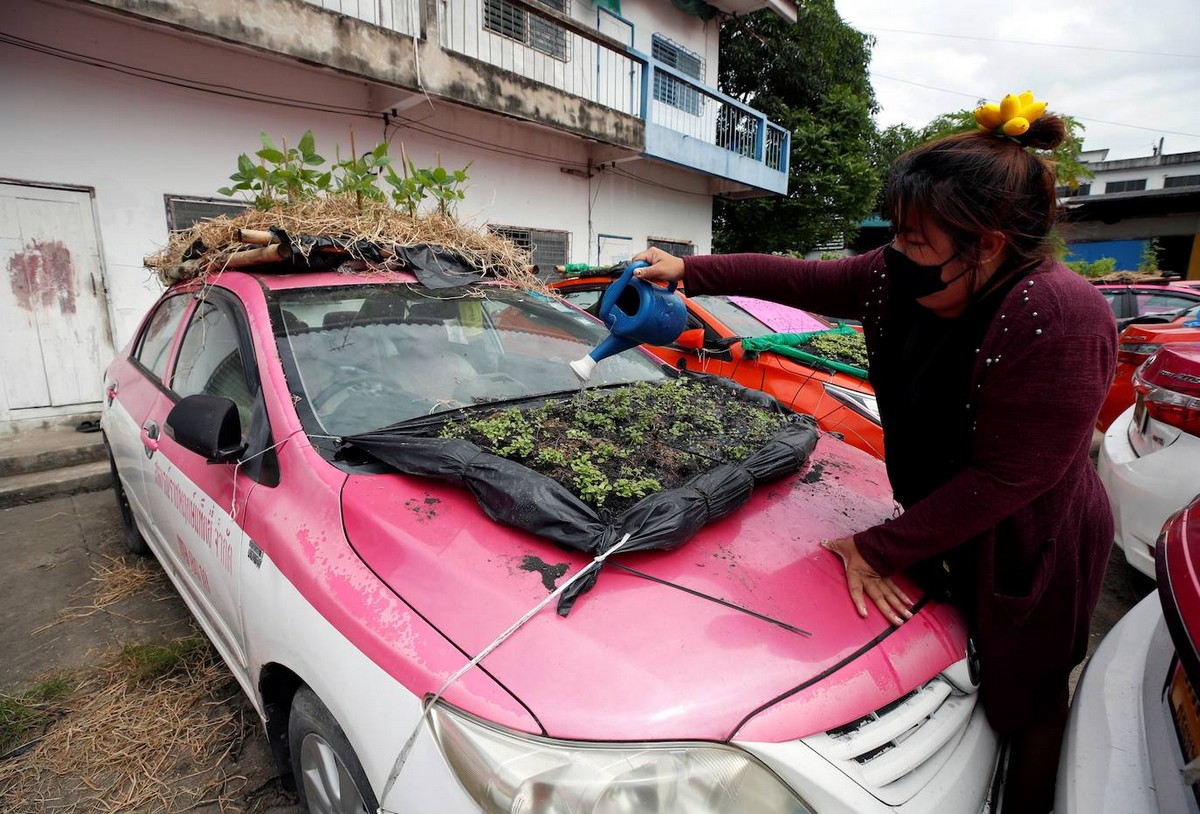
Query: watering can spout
pixel 635 312
pixel 612 345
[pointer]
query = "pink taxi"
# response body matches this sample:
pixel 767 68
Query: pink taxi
pixel 396 641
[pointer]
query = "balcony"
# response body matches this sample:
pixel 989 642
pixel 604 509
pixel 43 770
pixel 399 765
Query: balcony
pixel 685 122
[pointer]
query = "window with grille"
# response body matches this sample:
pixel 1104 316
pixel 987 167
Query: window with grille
pixel 1182 181
pixel 1125 186
pixel 1067 192
pixel 184 213
pixel 676 247
pixel 542 35
pixel 669 89
pixel 548 247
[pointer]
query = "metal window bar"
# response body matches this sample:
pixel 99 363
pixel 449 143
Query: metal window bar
pixel 542 35
pixel 547 247
pixel 184 212
pixel 525 39
pixel 678 248
pixel 401 16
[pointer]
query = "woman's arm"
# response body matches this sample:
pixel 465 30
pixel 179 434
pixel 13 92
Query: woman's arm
pixel 1035 410
pixel 837 288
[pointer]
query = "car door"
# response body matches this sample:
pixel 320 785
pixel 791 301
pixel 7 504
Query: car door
pixel 132 386
pixel 195 504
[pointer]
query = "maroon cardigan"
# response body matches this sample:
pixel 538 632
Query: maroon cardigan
pixel 1029 496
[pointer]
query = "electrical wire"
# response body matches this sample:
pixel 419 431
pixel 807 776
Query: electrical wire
pixel 1026 42
pixel 977 97
pixel 182 82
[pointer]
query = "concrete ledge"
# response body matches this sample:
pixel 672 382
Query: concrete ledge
pixel 73 480
pixel 44 450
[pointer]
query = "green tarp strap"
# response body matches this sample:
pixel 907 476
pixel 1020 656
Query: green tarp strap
pixel 786 345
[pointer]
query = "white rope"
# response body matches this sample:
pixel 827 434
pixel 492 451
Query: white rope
pixel 398 766
pixel 238 465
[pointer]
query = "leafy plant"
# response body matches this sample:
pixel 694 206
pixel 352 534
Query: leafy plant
pixel 614 446
pixel 1148 262
pixel 849 347
pixel 289 175
pixel 286 174
pixel 1093 268
pixel 438 183
pixel 357 174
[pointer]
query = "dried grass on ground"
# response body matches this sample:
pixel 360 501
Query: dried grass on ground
pixel 149 730
pixel 153 728
pixel 115 579
pixel 342 217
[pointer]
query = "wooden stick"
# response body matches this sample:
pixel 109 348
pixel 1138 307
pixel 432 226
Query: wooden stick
pixel 250 257
pixel 257 237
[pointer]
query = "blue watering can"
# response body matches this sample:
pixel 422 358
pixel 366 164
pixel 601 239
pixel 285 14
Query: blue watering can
pixel 635 312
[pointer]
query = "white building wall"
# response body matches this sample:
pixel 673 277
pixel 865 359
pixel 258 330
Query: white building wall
pixel 134 140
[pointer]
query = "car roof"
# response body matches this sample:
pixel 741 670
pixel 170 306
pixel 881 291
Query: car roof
pixel 1151 288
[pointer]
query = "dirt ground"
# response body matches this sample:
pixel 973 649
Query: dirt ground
pixel 54 552
pixel 57 554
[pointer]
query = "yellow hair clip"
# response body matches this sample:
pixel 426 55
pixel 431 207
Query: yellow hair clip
pixel 1012 116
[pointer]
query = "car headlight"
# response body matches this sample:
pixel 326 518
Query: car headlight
pixel 509 772
pixel 865 404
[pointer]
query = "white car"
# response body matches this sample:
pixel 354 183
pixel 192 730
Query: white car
pixel 1133 736
pixel 1150 458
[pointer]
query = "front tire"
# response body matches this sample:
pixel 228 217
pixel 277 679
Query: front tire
pixel 134 540
pixel 329 778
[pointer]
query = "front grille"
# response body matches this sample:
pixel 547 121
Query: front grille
pixel 894 751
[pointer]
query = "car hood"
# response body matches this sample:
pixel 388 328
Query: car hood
pixel 736 626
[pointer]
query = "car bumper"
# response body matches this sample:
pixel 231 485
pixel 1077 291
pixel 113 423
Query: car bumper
pixel 1144 491
pixel 1120 753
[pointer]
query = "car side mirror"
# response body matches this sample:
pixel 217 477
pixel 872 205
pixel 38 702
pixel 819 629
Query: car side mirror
pixel 692 339
pixel 208 426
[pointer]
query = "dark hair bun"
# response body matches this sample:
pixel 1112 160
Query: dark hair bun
pixel 1045 133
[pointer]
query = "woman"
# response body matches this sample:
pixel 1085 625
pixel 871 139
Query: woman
pixel 990 361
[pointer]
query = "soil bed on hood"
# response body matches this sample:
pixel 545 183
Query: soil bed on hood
pixel 613 447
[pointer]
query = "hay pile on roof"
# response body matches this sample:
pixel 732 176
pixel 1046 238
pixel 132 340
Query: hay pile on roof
pixel 338 231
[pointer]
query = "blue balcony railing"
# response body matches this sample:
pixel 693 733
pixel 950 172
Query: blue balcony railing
pixel 687 122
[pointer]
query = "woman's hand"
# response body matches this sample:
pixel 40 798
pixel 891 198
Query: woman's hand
pixel 892 602
pixel 663 266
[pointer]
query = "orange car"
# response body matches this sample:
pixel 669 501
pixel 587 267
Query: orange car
pixel 1136 344
pixel 841 403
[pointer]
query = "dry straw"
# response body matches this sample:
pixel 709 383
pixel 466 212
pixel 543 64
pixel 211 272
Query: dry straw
pixel 115 579
pixel 240 240
pixel 125 745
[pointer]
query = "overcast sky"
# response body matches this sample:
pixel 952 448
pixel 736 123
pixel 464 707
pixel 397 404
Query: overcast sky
pixel 1129 70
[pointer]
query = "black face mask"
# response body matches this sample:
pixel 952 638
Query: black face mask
pixel 910 278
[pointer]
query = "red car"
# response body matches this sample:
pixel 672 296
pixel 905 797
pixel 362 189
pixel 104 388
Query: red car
pixel 1131 301
pixel 1137 343
pixel 841 402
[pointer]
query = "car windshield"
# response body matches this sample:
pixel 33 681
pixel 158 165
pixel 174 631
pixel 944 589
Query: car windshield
pixel 364 357
pixel 748 317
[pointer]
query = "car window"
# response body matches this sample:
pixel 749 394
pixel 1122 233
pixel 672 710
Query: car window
pixel 1162 302
pixel 155 343
pixel 587 298
pixel 732 315
pixel 364 357
pixel 210 359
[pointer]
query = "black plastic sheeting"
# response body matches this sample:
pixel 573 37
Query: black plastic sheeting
pixel 433 266
pixel 513 494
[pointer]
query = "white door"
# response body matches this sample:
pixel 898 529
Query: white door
pixel 54 330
